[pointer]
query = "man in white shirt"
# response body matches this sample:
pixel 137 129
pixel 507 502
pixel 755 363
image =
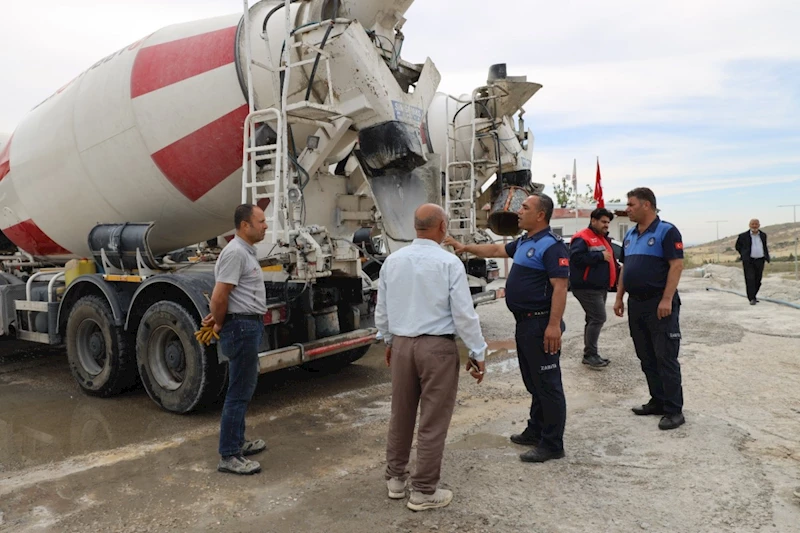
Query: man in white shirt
pixel 752 247
pixel 423 303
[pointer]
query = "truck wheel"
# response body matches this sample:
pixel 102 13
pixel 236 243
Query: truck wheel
pixel 178 373
pixel 99 353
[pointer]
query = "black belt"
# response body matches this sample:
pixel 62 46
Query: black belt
pixel 241 316
pixel 449 336
pixel 530 314
pixel 644 296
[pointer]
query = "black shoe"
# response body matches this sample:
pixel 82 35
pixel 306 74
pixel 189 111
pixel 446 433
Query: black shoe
pixel 648 409
pixel 526 439
pixel 604 359
pixel 594 362
pixel 671 421
pixel 540 455
pixel 753 302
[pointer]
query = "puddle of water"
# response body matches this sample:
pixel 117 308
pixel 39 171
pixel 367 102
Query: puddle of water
pixel 38 427
pixel 480 441
pixel 507 345
pixel 495 350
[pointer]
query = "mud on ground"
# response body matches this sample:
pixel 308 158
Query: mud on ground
pixel 73 463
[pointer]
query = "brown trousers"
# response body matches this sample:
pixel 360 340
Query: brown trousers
pixel 424 374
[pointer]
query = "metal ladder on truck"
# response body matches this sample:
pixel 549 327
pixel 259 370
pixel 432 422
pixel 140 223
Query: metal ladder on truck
pixel 277 181
pixel 461 175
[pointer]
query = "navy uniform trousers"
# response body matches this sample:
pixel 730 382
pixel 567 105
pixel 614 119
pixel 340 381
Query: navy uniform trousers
pixel 541 373
pixel 657 344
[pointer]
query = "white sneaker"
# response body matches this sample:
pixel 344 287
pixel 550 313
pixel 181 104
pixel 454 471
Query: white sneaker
pixel 420 502
pixel 397 488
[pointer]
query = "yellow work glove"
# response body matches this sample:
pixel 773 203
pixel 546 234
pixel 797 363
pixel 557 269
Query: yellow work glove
pixel 206 334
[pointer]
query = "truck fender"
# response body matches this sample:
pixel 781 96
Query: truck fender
pixel 194 287
pixel 93 284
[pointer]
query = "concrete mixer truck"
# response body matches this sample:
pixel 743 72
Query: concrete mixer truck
pixel 486 170
pixel 114 189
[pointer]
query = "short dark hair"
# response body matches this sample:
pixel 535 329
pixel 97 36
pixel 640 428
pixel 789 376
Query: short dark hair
pixel 242 214
pixel 644 194
pixel 601 212
pixel 545 204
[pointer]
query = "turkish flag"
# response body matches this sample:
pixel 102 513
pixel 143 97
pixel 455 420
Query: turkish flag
pixel 598 187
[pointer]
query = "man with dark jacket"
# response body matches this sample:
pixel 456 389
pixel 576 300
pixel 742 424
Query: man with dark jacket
pixel 592 272
pixel 752 247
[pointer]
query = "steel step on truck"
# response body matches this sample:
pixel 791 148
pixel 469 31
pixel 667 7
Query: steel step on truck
pixel 117 193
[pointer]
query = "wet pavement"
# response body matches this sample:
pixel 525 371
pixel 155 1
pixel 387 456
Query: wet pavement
pixel 44 417
pixel 73 463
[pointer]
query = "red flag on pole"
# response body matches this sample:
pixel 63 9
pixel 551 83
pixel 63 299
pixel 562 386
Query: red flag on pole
pixel 598 187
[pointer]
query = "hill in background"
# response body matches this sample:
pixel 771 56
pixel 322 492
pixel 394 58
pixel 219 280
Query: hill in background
pixel 780 238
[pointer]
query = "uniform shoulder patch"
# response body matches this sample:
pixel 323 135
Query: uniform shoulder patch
pixel 563 261
pixel 679 246
pixel 556 236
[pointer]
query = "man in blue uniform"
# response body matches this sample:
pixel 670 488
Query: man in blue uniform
pixel 652 264
pixel 536 292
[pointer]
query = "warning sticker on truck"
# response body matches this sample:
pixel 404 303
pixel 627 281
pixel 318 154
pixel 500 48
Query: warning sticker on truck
pixel 407 113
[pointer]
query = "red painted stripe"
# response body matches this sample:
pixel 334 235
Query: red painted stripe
pixel 203 159
pixel 164 64
pixel 29 237
pixel 5 159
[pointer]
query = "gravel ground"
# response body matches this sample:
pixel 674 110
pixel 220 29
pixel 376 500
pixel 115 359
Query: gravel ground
pixel 71 463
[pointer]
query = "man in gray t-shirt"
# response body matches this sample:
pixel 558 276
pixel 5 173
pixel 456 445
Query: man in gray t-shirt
pixel 238 305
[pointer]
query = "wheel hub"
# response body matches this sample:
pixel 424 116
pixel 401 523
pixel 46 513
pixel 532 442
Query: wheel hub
pixel 91 347
pixel 97 346
pixel 174 356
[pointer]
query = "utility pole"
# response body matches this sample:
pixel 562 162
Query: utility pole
pixel 718 244
pixel 794 209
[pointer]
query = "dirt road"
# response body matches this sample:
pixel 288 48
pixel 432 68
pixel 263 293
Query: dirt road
pixel 73 463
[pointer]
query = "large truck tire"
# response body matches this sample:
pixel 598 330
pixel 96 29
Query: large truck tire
pixel 178 373
pixel 100 354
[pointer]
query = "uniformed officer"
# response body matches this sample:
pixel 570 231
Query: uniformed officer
pixel 536 292
pixel 652 265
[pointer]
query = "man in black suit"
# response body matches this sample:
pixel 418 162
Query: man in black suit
pixel 752 246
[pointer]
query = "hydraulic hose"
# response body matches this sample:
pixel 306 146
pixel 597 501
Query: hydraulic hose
pixel 771 300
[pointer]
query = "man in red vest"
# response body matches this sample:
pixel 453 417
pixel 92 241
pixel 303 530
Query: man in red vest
pixel 592 272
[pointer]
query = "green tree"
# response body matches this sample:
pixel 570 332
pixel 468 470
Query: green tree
pixel 564 192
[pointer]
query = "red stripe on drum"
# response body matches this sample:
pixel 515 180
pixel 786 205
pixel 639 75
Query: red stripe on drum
pixel 29 237
pixel 203 159
pixel 5 159
pixel 161 65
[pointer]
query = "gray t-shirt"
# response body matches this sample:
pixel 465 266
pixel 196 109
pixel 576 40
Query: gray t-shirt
pixel 238 265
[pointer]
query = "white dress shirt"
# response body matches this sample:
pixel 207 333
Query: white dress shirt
pixel 756 246
pixel 423 290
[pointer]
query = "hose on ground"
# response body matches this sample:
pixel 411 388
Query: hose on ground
pixel 771 300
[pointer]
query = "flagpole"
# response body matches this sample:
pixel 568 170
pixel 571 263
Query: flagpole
pixel 575 186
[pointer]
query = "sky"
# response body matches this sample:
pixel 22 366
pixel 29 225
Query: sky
pixel 699 101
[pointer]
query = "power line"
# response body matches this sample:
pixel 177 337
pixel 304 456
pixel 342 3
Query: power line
pixel 718 243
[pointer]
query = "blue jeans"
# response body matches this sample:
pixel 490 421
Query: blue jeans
pixel 239 341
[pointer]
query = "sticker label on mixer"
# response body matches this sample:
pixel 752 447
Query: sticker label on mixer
pixel 407 113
